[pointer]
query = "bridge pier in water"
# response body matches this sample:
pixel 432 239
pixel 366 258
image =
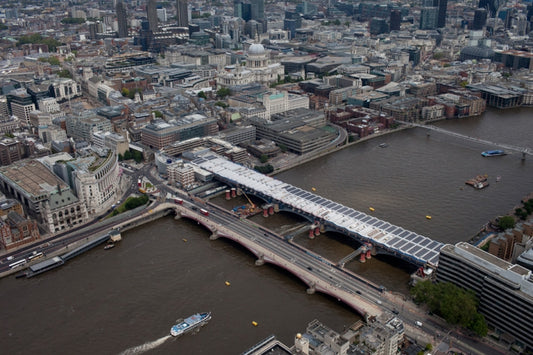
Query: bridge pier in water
pixel 260 260
pixel 214 235
pixel 178 215
pixel 311 290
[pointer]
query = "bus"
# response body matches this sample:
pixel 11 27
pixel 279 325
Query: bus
pixel 35 255
pixel 204 212
pixel 17 263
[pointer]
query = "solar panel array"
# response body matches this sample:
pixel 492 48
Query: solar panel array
pixel 369 228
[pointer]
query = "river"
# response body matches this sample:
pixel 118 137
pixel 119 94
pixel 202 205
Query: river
pixel 124 300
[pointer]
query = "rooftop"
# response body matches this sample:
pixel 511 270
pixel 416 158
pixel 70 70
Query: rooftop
pixel 33 177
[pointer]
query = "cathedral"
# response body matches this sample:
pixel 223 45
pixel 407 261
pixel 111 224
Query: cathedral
pixel 257 69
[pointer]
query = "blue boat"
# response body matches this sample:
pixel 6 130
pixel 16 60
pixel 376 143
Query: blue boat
pixel 190 323
pixel 493 153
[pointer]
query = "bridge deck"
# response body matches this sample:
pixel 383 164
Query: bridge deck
pixel 381 233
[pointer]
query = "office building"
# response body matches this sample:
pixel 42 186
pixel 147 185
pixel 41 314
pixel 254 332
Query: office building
pixel 21 104
pixel 429 18
pixel 442 6
pixel 122 19
pixel 480 18
pixel 182 14
pixel 45 197
pixel 504 290
pixel 151 13
pixel 395 20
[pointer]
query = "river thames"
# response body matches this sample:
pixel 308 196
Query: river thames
pixel 125 300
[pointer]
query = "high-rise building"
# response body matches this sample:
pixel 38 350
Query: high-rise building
pixel 395 20
pixel 480 18
pixel 182 15
pixel 492 6
pixel 442 6
pixel 429 18
pixel 258 9
pixel 151 13
pixel 122 19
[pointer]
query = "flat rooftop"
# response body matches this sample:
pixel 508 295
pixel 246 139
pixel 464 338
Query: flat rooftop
pixel 32 177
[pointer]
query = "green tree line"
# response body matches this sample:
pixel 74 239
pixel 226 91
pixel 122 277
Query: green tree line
pixel 456 305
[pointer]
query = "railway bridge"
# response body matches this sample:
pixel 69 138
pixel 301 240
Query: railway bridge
pixel 378 235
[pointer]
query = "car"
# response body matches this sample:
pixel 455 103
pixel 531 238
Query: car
pixel 358 292
pixel 418 323
pixel 9 258
pixel 395 311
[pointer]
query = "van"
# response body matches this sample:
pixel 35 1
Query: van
pixel 9 258
pixel 418 323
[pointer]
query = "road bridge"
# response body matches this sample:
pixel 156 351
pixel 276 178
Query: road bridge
pixel 316 272
pixel 330 215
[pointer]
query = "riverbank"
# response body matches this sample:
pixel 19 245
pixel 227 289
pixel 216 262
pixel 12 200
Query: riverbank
pixel 305 158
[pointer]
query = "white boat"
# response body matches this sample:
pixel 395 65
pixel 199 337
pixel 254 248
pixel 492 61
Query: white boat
pixel 190 323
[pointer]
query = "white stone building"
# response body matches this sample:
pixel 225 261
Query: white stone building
pixel 257 69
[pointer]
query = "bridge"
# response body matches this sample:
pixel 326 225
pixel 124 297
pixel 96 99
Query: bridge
pixel 383 236
pixel 509 147
pixel 316 272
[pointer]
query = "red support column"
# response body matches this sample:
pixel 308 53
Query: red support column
pixel 265 212
pixel 233 192
pixel 271 210
pixel 362 257
pixel 317 231
pixel 228 196
pixel 368 254
pixel 311 234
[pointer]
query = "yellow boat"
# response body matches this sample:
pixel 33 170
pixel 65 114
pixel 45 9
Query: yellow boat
pixel 428 217
pixel 227 283
pixel 184 239
pixel 313 189
pixel 254 323
pixel 371 209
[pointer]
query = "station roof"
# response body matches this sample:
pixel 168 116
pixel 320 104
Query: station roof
pixel 379 232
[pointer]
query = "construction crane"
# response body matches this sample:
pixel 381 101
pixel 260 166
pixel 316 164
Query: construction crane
pixel 250 201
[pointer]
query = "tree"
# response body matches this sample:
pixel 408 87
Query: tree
pixel 125 92
pixel 506 222
pixel 64 73
pixel 120 157
pixel 263 158
pixel 223 92
pixel 157 113
pixel 454 304
pixel 221 104
pixel 137 156
pixel 282 147
pixel 51 60
pixel 202 95
pixel 127 155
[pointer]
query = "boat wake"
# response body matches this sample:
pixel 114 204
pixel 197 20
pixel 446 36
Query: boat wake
pixel 146 346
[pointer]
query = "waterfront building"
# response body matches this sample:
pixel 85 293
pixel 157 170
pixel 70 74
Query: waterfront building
pixel 180 173
pixel 95 176
pixel 45 196
pixel 504 290
pixel 238 135
pixel 299 130
pixel 15 231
